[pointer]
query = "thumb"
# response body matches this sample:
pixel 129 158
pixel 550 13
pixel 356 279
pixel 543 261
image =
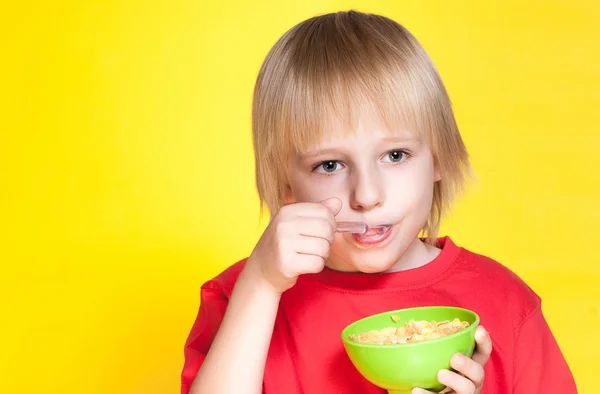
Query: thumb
pixel 334 204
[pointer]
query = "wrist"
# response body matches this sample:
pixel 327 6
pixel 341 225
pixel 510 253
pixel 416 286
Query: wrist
pixel 253 275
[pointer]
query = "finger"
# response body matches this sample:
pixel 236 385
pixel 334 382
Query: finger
pixel 421 391
pixel 316 227
pixel 334 204
pixel 483 350
pixel 312 246
pixel 314 210
pixel 458 383
pixel 468 367
pixel 309 264
pixel 447 390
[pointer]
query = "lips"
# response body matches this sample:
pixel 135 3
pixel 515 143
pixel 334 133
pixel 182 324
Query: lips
pixel 373 236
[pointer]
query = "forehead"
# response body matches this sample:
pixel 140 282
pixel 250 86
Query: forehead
pixel 367 130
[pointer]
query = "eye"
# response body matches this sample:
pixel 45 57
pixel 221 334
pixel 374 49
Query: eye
pixel 396 156
pixel 328 167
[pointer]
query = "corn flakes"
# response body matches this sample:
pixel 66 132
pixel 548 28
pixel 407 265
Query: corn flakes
pixel 413 331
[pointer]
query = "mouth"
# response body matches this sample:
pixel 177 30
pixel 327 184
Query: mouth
pixel 374 235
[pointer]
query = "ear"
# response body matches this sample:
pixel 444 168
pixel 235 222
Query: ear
pixel 289 195
pixel 436 175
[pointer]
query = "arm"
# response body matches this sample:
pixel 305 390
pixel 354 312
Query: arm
pixel 296 242
pixel 237 356
pixel 539 365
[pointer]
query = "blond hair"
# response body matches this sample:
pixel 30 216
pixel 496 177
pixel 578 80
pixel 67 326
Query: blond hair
pixel 335 68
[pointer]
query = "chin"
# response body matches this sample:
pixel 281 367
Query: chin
pixel 370 259
pixel 373 268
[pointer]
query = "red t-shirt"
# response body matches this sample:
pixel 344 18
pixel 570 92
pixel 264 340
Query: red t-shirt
pixel 306 355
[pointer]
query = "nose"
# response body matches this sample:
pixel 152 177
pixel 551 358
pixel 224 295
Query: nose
pixel 367 192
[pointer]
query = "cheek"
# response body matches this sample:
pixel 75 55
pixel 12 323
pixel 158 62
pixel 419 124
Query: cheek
pixel 410 188
pixel 423 197
pixel 411 192
pixel 314 188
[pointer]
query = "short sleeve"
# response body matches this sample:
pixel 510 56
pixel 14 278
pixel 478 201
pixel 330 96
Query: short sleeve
pixel 539 366
pixel 213 304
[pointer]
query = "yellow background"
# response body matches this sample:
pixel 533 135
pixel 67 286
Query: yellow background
pixel 127 176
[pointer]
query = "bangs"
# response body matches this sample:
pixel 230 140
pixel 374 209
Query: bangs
pixel 344 71
pixel 330 106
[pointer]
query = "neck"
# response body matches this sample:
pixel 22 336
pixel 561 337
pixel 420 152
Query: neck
pixel 417 255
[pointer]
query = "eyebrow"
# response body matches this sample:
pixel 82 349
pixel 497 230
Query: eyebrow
pixel 328 151
pixel 318 152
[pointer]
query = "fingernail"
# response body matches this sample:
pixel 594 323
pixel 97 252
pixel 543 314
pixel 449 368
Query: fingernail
pixel 480 333
pixel 443 375
pixel 457 359
pixel 418 391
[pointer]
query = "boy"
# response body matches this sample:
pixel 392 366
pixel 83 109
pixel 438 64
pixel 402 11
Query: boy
pixel 351 121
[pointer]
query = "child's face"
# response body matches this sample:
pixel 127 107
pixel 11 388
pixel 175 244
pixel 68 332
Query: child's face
pixel 382 178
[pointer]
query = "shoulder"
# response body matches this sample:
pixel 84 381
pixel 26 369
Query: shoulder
pixel 499 284
pixel 224 282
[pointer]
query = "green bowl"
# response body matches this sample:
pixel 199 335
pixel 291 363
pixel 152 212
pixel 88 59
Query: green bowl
pixel 399 368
